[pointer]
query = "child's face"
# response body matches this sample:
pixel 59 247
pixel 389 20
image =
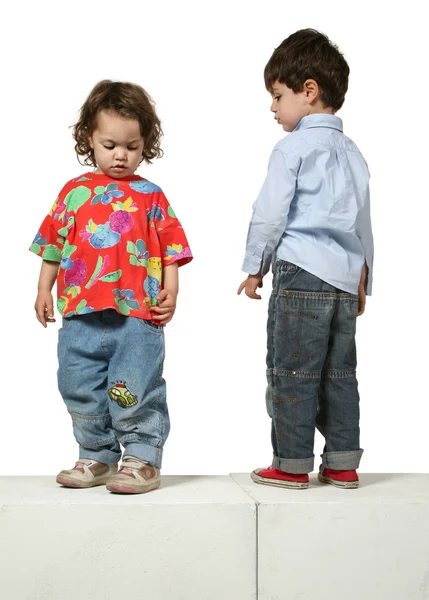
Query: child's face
pixel 117 144
pixel 289 107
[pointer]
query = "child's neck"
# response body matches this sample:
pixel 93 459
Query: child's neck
pixel 319 107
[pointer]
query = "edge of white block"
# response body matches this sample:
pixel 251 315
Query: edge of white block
pixel 174 490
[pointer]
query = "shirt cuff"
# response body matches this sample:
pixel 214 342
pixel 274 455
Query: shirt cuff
pixel 253 261
pixel 51 252
pixel 368 290
pixel 251 264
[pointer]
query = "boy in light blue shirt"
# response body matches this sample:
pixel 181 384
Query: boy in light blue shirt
pixel 312 221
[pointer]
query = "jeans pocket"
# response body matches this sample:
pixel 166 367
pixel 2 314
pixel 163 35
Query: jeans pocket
pixel 301 329
pixel 65 323
pixel 150 325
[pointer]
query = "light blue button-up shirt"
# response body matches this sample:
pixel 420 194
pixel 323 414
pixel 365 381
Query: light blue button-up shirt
pixel 313 209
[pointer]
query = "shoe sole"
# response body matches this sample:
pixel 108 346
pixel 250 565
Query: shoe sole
pixel 290 485
pixel 345 485
pixel 79 484
pixel 118 488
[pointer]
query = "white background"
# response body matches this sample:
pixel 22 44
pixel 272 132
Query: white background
pixel 203 64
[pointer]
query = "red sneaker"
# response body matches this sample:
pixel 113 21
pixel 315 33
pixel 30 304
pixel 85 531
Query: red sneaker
pixel 341 479
pixel 278 478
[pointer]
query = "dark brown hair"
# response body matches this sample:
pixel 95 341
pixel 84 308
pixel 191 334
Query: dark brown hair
pixel 129 101
pixel 309 54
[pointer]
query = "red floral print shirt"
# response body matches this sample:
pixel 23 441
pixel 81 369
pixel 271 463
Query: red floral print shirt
pixel 111 238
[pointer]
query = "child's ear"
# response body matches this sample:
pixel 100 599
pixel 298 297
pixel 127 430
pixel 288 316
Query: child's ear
pixel 311 89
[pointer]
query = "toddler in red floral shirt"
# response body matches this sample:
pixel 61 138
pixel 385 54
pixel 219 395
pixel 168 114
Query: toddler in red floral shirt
pixel 113 244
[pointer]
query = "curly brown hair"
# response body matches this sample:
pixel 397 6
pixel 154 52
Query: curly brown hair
pixel 309 54
pixel 129 101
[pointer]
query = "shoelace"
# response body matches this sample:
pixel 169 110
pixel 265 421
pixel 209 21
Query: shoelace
pixel 84 461
pixel 132 466
pixel 129 467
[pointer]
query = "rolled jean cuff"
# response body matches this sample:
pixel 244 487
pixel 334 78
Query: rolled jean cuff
pixel 145 452
pixel 107 457
pixel 342 461
pixel 294 465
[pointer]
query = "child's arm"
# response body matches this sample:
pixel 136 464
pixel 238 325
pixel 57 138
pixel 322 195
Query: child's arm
pixel 44 305
pixel 269 219
pixel 270 212
pixel 168 296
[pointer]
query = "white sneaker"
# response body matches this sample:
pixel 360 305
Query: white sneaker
pixel 86 473
pixel 135 476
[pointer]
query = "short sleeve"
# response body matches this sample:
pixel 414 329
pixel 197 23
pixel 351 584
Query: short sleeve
pixel 50 239
pixel 173 242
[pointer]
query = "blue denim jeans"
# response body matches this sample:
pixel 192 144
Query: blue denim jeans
pixel 311 371
pixel 110 377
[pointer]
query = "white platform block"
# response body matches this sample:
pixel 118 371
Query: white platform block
pixel 193 539
pixel 325 543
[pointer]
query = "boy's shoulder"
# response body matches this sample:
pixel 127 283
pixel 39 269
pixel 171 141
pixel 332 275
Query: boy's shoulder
pixel 293 143
pixel 302 140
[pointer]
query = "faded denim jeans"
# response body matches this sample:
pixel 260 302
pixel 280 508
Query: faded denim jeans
pixel 110 377
pixel 311 371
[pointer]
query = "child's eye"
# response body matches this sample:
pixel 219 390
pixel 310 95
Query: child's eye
pixel 112 147
pixel 277 97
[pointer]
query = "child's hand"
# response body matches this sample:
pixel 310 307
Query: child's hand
pixel 250 284
pixel 362 299
pixel 44 308
pixel 166 307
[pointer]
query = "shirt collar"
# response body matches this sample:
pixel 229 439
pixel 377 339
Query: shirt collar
pixel 320 120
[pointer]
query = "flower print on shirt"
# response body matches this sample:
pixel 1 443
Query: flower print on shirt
pixel 124 299
pixel 106 194
pixel 121 221
pixel 109 234
pixel 58 210
pixel 81 308
pixel 100 272
pixel 152 283
pixel 66 260
pixel 139 253
pixel 76 198
pixel 75 270
pixel 177 251
pixel 99 236
pixel 143 186
pixel 63 232
pixel 74 277
pixel 38 242
pixel 155 212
